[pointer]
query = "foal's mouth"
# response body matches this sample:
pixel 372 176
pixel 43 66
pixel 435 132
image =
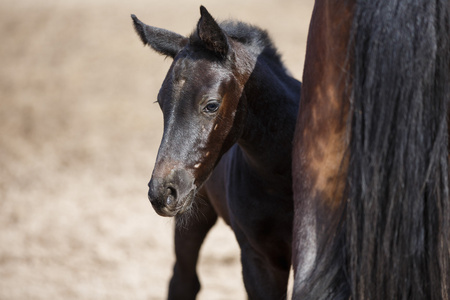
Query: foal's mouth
pixel 175 206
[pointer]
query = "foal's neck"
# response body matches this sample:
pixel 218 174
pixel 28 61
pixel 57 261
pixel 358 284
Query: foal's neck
pixel 273 98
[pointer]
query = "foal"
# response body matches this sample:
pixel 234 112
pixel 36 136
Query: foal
pixel 229 109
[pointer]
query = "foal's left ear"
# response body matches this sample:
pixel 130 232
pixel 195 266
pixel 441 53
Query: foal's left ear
pixel 161 40
pixel 211 34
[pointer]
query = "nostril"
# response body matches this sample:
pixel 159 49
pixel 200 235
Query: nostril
pixel 171 195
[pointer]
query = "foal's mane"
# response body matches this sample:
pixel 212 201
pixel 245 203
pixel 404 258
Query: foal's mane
pixel 255 39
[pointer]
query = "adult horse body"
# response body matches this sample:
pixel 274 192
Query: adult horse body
pixel 370 160
pixel 229 111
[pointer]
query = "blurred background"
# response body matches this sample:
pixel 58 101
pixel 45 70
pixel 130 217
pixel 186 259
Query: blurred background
pixel 79 133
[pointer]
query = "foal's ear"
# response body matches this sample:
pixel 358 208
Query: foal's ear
pixel 211 34
pixel 161 40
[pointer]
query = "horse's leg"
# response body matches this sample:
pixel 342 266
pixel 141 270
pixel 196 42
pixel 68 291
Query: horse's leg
pixel 188 240
pixel 265 266
pixel 262 280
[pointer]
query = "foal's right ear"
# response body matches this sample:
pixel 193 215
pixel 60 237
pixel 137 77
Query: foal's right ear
pixel 161 40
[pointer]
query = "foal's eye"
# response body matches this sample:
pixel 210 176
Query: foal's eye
pixel 212 106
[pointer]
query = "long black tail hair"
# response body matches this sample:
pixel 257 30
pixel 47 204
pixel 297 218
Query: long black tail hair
pixel 397 219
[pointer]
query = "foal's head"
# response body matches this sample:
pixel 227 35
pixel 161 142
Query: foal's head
pixel 203 107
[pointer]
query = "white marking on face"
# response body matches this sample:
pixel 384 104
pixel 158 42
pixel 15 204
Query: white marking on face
pixel 215 127
pixel 179 87
pixel 197 165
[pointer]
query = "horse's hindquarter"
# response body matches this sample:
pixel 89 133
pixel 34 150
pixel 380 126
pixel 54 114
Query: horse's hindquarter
pixel 320 140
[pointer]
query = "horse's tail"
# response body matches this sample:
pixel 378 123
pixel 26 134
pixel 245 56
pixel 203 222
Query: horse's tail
pixel 398 210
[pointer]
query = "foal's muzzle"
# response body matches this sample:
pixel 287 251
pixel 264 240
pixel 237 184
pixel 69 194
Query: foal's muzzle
pixel 172 194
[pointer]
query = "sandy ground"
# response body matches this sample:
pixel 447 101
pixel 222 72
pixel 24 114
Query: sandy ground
pixel 79 133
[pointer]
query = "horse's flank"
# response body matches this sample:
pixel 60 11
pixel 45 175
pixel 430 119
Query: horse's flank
pixel 319 146
pixel 382 233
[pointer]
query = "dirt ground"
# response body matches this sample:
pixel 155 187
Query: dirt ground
pixel 79 133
